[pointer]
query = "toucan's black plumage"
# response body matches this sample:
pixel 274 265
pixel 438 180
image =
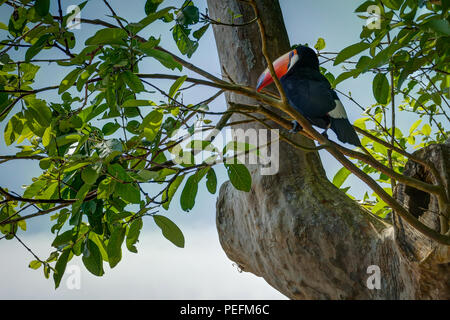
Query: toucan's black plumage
pixel 310 93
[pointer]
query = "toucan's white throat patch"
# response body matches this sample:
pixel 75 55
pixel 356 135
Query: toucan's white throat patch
pixel 338 112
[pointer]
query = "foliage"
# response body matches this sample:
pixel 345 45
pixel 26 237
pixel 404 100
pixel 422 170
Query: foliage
pixel 105 138
pixel 409 56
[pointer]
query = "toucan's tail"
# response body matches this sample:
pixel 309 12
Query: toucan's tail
pixel 345 131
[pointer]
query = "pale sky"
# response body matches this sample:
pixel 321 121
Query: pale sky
pixel 160 270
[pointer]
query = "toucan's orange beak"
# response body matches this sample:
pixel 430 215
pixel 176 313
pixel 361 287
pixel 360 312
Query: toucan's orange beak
pixel 281 66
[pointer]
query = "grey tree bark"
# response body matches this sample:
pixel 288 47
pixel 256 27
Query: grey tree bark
pixel 295 229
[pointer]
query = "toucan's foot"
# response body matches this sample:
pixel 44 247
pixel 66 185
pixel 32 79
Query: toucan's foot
pixel 296 127
pixel 325 134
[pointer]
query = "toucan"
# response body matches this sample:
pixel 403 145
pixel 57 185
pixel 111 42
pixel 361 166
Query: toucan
pixel 310 93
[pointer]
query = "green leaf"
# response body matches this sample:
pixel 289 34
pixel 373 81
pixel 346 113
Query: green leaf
pixel 128 192
pixel 377 147
pixel 13 130
pixel 239 147
pixel 111 36
pixel 345 75
pixel 426 129
pixel 133 81
pixel 340 177
pixel 34 188
pixel 39 112
pixel 147 175
pixel 168 194
pixel 187 199
pixel 81 195
pixel 239 176
pixel 152 5
pixel 35 264
pixel 170 230
pixel 350 51
pixel 414 126
pixel 63 239
pixel 363 7
pixel 150 18
pixel 189 15
pixel 184 43
pixel 200 32
pixel 364 63
pixel 211 181
pixel 60 267
pixel 402 77
pixel 118 172
pixel 92 259
pixel 110 127
pixel 46 271
pixel 85 75
pixel 137 103
pixel 95 215
pixel 133 235
pixel 441 26
pixel 411 66
pixel 114 248
pixel 89 175
pixel 320 44
pixel 44 164
pixel 152 124
pixel 163 57
pixel 91 112
pixel 47 137
pixel 361 123
pixel 36 47
pixel 42 7
pixel 380 88
pixel 379 206
pixel 345 190
pixel 176 86
pixel 69 80
pixel 98 240
pixel 393 4
pixel 105 188
pixel 67 139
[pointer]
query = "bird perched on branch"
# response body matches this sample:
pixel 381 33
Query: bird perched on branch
pixel 310 93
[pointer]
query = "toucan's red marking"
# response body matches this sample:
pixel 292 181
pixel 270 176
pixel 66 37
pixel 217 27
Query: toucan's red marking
pixel 281 66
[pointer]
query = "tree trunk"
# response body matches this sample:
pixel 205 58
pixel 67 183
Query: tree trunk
pixel 295 229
